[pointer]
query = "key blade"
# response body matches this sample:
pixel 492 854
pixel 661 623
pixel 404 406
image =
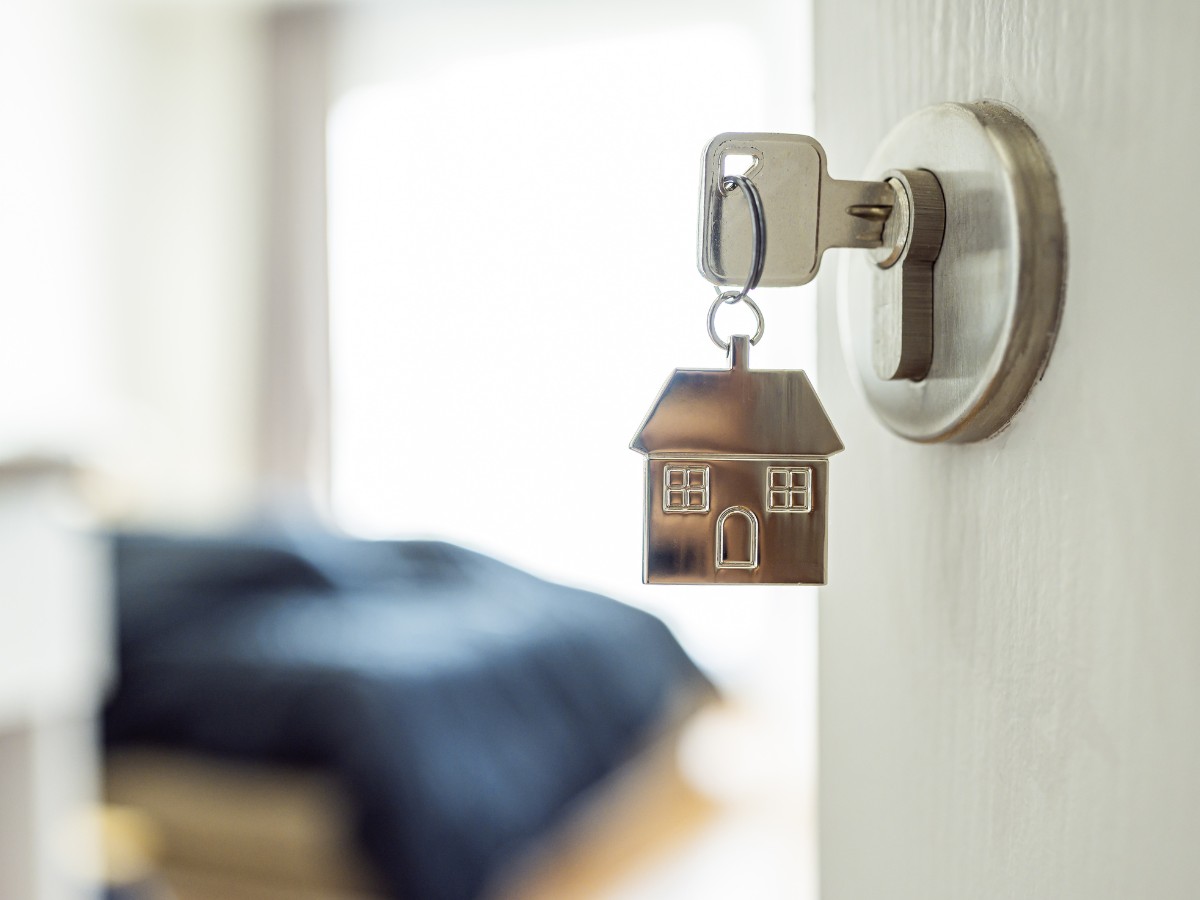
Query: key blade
pixel 853 213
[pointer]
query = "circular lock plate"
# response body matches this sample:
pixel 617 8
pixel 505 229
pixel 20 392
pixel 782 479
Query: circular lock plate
pixel 997 283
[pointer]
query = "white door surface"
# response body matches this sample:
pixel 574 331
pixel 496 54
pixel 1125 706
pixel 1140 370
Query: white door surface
pixel 1010 639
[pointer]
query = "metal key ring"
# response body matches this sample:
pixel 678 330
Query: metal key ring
pixel 758 229
pixel 726 297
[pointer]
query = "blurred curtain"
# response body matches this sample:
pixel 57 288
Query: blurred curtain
pixel 293 425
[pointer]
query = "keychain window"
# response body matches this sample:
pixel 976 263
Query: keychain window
pixel 685 489
pixel 788 489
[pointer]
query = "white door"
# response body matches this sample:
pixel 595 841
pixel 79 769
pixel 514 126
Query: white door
pixel 1010 639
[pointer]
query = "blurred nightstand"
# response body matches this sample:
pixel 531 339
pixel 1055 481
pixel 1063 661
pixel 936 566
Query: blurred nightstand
pixel 54 667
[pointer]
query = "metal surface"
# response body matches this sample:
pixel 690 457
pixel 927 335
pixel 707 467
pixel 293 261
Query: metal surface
pixel 806 211
pixel 998 279
pixel 737 476
pixel 902 330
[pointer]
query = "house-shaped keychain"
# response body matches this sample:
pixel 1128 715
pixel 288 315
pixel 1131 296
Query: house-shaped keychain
pixel 737 477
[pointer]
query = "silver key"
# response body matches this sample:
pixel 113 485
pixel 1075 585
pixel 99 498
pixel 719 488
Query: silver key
pixel 811 212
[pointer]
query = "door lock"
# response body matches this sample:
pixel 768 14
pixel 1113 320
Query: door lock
pixel 949 318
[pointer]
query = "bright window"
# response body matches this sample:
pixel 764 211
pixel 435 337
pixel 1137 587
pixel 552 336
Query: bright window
pixel 513 274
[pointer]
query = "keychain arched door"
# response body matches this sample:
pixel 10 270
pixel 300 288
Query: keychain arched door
pixel 744 557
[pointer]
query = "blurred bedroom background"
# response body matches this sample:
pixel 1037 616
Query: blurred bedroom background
pixel 286 283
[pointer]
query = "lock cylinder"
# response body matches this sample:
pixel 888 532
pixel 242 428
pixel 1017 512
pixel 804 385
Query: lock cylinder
pixel 902 333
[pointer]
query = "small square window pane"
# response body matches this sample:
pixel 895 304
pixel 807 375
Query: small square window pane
pixel 695 477
pixel 695 499
pixel 799 499
pixel 675 477
pixel 778 500
pixel 675 499
pixel 800 478
pixel 779 478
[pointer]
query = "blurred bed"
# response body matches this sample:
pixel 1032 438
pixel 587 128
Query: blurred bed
pixel 311 716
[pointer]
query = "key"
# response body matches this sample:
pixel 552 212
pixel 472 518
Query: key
pixel 806 211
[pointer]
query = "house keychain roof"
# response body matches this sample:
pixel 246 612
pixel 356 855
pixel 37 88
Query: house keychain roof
pixel 738 411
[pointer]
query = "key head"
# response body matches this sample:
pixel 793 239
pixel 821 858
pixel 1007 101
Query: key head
pixel 806 211
pixel 788 170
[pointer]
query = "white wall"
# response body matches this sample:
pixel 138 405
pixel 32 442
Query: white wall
pixel 132 183
pixel 51 365
pixel 186 189
pixel 1010 642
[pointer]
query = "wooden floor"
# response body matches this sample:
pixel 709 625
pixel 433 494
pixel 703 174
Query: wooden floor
pixel 719 817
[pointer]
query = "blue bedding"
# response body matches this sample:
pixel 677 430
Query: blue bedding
pixel 462 704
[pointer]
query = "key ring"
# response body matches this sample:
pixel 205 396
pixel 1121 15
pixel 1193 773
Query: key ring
pixel 732 297
pixel 758 258
pixel 758 231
